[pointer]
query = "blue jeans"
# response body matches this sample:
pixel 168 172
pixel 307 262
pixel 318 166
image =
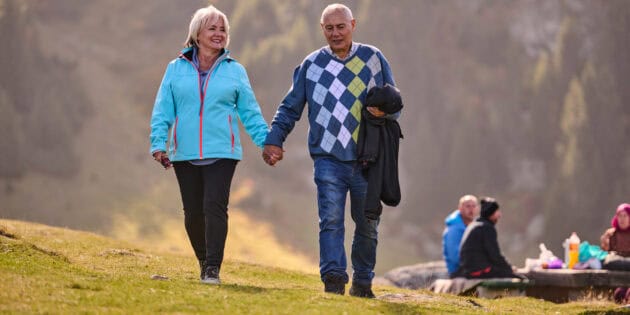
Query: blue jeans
pixel 334 180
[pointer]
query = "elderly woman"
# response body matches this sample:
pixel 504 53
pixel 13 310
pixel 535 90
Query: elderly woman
pixel 204 92
pixel 616 240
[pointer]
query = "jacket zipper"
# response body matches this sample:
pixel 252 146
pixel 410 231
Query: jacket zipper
pixel 231 132
pixel 202 94
pixel 175 135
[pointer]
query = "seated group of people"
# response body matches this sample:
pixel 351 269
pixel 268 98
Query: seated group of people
pixel 471 249
pixel 470 245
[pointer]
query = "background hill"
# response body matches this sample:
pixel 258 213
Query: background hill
pixel 526 101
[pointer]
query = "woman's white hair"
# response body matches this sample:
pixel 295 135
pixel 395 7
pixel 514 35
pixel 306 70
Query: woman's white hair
pixel 201 18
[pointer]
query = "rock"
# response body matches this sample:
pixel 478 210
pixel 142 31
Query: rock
pixel 419 276
pixel 159 277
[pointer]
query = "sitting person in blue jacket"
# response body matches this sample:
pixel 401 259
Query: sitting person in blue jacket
pixel 456 223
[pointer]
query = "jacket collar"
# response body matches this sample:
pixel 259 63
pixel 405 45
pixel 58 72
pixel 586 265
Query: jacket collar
pixel 187 53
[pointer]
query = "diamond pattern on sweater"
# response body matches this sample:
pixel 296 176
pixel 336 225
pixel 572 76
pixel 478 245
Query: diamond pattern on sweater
pixel 374 64
pixel 339 90
pixel 356 87
pixel 355 110
pixel 328 141
pixel 323 118
pixel 340 112
pixel 334 67
pixel 344 136
pixel 355 64
pixel 319 94
pixel 314 72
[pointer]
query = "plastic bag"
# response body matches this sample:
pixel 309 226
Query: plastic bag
pixel 547 259
pixel 588 251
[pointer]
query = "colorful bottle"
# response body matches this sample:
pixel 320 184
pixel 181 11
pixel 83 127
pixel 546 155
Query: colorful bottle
pixel 574 250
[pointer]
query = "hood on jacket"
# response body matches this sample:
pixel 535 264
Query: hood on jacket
pixel 454 218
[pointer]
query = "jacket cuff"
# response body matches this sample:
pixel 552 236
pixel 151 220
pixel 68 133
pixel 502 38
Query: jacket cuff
pixel 274 139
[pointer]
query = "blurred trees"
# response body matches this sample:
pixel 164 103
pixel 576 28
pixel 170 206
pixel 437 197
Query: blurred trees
pixel 526 101
pixel 42 102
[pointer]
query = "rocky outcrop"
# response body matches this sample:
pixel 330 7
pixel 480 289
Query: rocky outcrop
pixel 419 276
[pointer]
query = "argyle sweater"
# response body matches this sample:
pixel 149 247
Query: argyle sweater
pixel 335 91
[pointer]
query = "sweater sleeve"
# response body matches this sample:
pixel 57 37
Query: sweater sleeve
pixel 290 109
pixel 249 111
pixel 163 114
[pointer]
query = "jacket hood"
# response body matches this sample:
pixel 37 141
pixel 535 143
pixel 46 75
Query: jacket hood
pixel 454 218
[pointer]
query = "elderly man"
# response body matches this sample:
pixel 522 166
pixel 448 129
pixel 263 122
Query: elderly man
pixel 334 81
pixel 456 224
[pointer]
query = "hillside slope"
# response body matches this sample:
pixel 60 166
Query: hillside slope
pixel 46 269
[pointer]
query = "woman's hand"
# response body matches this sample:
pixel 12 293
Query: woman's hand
pixel 162 158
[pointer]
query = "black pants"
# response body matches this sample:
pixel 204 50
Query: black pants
pixel 205 194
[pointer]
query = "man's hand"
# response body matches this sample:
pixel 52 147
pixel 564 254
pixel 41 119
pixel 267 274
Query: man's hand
pixel 272 154
pixel 162 158
pixel 375 111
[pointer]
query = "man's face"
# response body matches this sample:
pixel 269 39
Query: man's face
pixel 338 28
pixel 468 210
pixel 495 216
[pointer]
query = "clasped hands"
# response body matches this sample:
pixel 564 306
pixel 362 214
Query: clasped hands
pixel 272 154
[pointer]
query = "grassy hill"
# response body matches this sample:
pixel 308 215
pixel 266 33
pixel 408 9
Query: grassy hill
pixel 54 270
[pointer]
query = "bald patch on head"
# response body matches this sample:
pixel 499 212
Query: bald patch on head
pixel 337 8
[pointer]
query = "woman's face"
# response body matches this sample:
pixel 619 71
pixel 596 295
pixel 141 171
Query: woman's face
pixel 623 219
pixel 212 36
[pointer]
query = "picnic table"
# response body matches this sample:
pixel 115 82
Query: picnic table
pixel 555 285
pixel 564 285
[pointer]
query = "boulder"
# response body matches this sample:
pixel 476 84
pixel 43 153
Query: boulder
pixel 419 276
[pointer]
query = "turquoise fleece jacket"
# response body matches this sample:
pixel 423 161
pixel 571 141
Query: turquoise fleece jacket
pixel 200 122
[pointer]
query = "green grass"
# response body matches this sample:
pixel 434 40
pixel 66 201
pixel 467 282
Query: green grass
pixel 53 270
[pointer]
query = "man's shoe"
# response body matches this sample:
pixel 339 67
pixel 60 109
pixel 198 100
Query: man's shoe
pixel 334 284
pixel 210 275
pixel 362 290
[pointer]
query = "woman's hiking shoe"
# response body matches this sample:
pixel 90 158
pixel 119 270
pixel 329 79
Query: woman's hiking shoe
pixel 210 275
pixel 362 290
pixel 335 284
pixel 202 267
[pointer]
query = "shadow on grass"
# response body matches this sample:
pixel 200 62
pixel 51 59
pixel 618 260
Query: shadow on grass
pixel 620 310
pixel 245 288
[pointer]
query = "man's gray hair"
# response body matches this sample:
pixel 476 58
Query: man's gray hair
pixel 202 18
pixel 336 7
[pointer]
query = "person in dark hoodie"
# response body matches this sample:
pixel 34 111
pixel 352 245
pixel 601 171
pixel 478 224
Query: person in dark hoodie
pixel 480 255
